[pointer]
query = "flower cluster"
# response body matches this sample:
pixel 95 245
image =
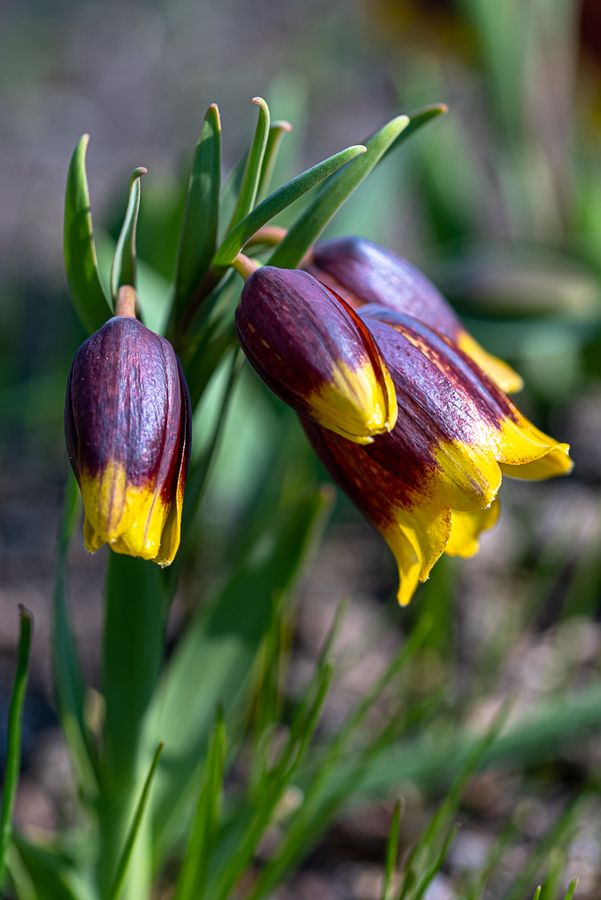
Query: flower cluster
pixel 406 410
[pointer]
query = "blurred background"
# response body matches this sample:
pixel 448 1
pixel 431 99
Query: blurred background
pixel 499 202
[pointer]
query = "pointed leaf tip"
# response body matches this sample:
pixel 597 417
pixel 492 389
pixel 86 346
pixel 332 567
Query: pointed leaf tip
pixel 198 231
pixel 123 270
pixel 81 263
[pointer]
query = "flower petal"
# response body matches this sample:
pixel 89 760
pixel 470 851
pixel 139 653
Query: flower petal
pixel 366 274
pixel 466 528
pixel 315 353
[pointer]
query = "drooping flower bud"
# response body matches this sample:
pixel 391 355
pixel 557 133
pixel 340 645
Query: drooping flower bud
pixel 127 426
pixel 315 353
pixel 364 273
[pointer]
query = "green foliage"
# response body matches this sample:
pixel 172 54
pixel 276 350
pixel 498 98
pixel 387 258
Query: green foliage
pixel 198 234
pixel 123 270
pixel 13 743
pixel 248 781
pixel 81 263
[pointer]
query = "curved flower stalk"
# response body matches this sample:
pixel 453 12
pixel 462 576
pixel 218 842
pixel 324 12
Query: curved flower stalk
pixel 364 273
pixel 431 485
pixel 127 426
pixel 315 353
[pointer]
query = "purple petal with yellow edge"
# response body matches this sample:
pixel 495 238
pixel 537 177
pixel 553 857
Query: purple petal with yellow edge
pixel 315 353
pixel 364 273
pixel 128 434
pixel 430 486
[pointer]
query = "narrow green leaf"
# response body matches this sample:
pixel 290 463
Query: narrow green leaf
pixel 571 889
pixel 81 264
pixel 416 119
pixel 274 784
pixel 556 724
pixel 13 740
pixel 123 270
pixel 198 236
pixel 251 177
pixel 333 194
pixel 70 687
pixel 274 139
pixel 320 803
pixel 224 640
pixel 340 186
pixel 191 883
pixel 436 865
pixel 537 892
pixel 392 851
pixel 44 872
pixel 125 857
pixel 279 200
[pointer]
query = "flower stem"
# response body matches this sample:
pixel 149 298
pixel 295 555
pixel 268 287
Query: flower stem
pixel 126 302
pixel 270 235
pixel 245 266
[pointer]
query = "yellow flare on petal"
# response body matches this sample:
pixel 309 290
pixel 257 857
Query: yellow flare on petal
pixel 130 518
pixel 496 369
pixel 524 451
pixel 469 476
pixel 466 528
pixel 354 404
pixel 417 539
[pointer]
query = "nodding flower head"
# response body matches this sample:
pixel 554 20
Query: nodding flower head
pixel 431 485
pixel 364 273
pixel 127 426
pixel 313 350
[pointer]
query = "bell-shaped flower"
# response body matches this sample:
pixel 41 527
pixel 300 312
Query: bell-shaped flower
pixel 364 273
pixel 127 425
pixel 431 485
pixel 315 353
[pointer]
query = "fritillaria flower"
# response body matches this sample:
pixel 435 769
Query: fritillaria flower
pixel 315 353
pixel 364 273
pixel 431 485
pixel 127 425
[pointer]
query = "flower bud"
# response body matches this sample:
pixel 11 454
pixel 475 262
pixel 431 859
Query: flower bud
pixel 127 427
pixel 364 273
pixel 315 353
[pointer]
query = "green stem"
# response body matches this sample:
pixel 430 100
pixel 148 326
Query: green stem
pixel 136 606
pixel 13 751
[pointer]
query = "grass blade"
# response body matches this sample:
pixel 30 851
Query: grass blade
pixel 13 748
pixel 191 883
pixel 392 851
pixel 81 263
pixel 69 683
pixel 224 641
pixel 557 723
pixel 198 236
pixel 251 176
pixel 123 270
pixel 125 857
pixel 278 201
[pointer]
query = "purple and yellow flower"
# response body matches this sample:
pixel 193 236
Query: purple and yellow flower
pixel 127 425
pixel 315 353
pixel 364 273
pixel 431 485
